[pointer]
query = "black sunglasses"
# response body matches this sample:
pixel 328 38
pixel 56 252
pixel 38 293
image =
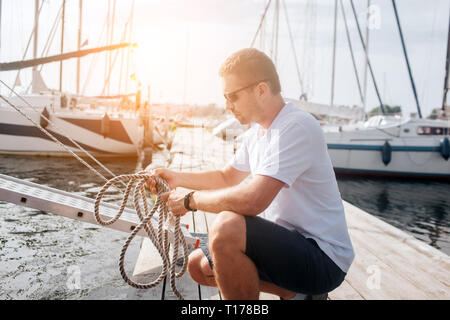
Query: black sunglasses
pixel 232 96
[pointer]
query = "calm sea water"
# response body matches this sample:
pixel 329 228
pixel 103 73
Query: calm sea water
pixel 40 253
pixel 46 256
pixel 421 208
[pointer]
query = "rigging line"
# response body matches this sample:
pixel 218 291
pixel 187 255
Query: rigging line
pixel 293 47
pixel 368 61
pixel 276 19
pixel 93 61
pixel 397 19
pixel 122 54
pixel 447 64
pixel 333 65
pixel 113 18
pixel 111 65
pixel 349 41
pixel 367 16
pixel 260 23
pixel 55 139
pixel 48 43
pixel 51 34
pixel 28 44
pixel 130 33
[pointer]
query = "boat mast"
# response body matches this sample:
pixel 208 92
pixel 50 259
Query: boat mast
pixel 368 60
pixel 79 44
pixel 260 23
pixel 291 38
pixel 111 38
pixel 366 56
pixel 22 64
pixel 447 65
pixel 0 23
pixel 36 25
pixel 276 18
pixel 62 45
pixel 186 62
pixel 406 59
pixel 352 56
pixel 130 35
pixel 334 54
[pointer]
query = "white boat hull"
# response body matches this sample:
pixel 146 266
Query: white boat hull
pixel 20 136
pixel 360 151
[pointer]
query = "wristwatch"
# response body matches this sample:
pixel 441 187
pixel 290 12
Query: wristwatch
pixel 187 198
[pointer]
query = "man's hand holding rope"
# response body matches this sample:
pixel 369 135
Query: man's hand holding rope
pixel 175 202
pixel 173 198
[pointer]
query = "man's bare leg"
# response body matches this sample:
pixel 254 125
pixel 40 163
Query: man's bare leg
pixel 234 273
pixel 202 273
pixel 200 270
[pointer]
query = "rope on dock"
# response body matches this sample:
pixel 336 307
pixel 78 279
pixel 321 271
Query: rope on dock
pixel 136 186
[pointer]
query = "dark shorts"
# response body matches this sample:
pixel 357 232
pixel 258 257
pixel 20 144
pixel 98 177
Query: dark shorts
pixel 288 259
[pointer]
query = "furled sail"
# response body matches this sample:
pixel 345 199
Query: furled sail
pixel 16 65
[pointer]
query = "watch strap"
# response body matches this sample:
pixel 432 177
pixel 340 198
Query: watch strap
pixel 187 199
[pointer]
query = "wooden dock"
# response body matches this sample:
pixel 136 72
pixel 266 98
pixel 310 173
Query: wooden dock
pixel 389 263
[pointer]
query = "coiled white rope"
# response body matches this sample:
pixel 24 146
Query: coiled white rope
pixel 136 185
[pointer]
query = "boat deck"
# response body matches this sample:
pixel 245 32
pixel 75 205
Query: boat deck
pixel 389 263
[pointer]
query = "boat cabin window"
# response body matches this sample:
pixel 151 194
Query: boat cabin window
pixel 435 131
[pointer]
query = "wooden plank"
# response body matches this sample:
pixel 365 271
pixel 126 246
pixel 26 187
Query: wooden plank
pixel 372 278
pixel 148 260
pixel 409 270
pixel 395 250
pixel 345 292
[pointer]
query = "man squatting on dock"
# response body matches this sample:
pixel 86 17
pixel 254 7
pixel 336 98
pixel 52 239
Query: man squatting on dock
pixel 282 230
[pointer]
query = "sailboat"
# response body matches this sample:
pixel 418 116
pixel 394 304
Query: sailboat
pixel 104 126
pixel 392 146
pixel 384 145
pixel 389 145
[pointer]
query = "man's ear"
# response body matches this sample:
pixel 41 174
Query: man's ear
pixel 262 90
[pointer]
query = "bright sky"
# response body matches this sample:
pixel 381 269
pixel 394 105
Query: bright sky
pixel 203 33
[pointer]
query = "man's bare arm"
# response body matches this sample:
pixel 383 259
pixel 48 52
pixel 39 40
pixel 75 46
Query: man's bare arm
pixel 248 198
pixel 207 180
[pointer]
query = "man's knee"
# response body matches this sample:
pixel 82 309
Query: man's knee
pixel 194 264
pixel 228 231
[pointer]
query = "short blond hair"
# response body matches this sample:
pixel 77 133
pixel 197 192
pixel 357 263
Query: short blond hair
pixel 252 65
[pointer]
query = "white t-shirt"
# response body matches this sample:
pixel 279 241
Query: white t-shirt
pixel 293 150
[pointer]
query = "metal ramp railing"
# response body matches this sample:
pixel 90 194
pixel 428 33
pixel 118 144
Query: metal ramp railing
pixel 36 196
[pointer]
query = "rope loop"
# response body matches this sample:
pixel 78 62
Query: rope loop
pixel 135 187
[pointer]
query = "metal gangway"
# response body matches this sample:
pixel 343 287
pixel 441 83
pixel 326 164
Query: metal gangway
pixel 36 196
